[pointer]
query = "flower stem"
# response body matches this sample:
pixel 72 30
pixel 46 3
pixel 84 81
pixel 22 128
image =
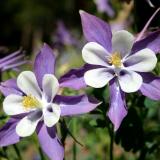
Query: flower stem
pixel 17 152
pixel 74 144
pixel 111 142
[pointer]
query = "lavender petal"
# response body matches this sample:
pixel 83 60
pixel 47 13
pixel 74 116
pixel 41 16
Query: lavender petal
pixel 44 63
pixel 8 133
pixel 50 143
pixel 96 30
pixel 151 86
pixel 152 42
pixel 76 105
pixel 118 109
pixel 75 77
pixel 9 87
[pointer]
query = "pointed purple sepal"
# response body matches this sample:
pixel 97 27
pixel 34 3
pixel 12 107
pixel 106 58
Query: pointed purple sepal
pixel 117 110
pixel 44 63
pixel 96 30
pixel 10 87
pixel 76 105
pixel 152 41
pixel 50 143
pixel 151 86
pixel 75 77
pixel 8 133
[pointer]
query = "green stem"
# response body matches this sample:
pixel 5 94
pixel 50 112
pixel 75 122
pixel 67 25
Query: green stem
pixel 111 142
pixel 5 152
pixel 17 152
pixel 41 153
pixel 74 145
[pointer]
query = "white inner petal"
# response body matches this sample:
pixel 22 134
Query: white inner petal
pixel 98 78
pixel 143 61
pixel 93 53
pixel 27 82
pixel 26 126
pixel 122 42
pixel 51 115
pixel 129 81
pixel 12 105
pixel 50 86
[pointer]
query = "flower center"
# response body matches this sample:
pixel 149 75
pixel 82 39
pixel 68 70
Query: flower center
pixel 115 59
pixel 30 102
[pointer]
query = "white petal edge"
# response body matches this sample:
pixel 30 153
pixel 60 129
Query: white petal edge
pixel 12 105
pixel 26 127
pixel 130 81
pixel 93 53
pixel 27 82
pixel 144 60
pixel 51 118
pixel 122 42
pixel 50 86
pixel 98 78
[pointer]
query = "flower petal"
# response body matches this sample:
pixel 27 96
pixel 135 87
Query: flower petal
pixel 75 77
pixel 50 86
pixel 96 30
pixel 93 53
pixel 8 133
pixel 50 142
pixel 122 42
pixel 12 105
pixel 76 105
pixel 151 41
pixel 44 63
pixel 27 82
pixel 129 81
pixel 142 61
pixel 98 78
pixel 51 115
pixel 117 110
pixel 10 87
pixel 28 124
pixel 150 86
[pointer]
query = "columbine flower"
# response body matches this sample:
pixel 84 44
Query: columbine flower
pixel 118 63
pixel 35 106
pixel 117 60
pixel 36 102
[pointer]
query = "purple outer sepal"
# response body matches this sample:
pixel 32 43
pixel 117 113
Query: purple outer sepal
pixel 50 142
pixel 151 86
pixel 96 30
pixel 117 110
pixel 8 133
pixel 44 63
pixel 76 105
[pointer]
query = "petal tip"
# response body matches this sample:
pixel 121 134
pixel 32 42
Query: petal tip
pixel 81 11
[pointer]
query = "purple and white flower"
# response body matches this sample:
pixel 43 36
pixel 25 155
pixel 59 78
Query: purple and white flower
pixel 118 60
pixel 35 105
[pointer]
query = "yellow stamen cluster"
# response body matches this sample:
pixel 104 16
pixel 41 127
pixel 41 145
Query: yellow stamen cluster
pixel 30 102
pixel 115 59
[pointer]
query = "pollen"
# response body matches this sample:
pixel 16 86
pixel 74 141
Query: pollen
pixel 30 102
pixel 115 59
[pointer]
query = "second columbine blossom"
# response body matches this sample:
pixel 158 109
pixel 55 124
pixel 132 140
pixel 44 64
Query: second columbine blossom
pixel 118 60
pixel 118 63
